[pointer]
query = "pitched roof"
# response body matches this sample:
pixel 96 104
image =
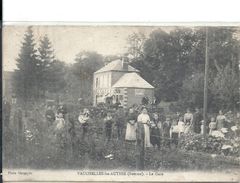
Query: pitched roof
pixel 116 65
pixel 132 80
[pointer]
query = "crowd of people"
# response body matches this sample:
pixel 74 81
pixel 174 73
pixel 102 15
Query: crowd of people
pixel 61 128
pixel 159 129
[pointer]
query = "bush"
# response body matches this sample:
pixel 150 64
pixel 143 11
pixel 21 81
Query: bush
pixel 210 144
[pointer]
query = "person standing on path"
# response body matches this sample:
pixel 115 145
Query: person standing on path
pixel 188 120
pixel 145 120
pixel 197 118
pixel 221 120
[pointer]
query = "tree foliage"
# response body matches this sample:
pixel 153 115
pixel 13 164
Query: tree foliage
pixel 27 66
pixel 38 70
pixel 226 88
pixel 86 63
pixel 173 62
pixel 136 42
pixel 51 71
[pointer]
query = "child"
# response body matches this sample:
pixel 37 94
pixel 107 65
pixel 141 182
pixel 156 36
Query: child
pixel 202 126
pixel 84 121
pixel 131 126
pixel 60 129
pixel 212 126
pixel 155 126
pixel 60 122
pixel 181 126
pixel 166 131
pixel 50 116
pixel 174 132
pixel 108 126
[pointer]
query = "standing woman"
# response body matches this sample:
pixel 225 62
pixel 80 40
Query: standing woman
pixel 221 120
pixel 108 120
pixel 188 120
pixel 120 120
pixel 197 118
pixel 145 119
pixel 131 126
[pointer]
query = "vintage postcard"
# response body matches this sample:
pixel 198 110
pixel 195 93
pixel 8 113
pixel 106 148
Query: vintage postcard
pixel 121 103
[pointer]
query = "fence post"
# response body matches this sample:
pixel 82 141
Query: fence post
pixel 140 147
pixel 19 125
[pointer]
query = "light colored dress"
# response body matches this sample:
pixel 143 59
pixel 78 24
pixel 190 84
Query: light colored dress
pixel 174 129
pixel 131 128
pixel 212 127
pixel 60 123
pixel 145 119
pixel 220 121
pixel 188 118
pixel 181 126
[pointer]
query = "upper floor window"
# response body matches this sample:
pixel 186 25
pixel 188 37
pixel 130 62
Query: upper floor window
pixel 97 82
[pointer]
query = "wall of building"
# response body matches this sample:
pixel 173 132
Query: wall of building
pixel 102 85
pixel 127 97
pixel 134 96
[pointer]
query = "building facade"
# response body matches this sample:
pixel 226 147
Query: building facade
pixel 118 82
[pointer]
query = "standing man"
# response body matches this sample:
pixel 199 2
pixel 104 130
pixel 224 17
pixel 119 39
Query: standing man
pixel 120 120
pixel 197 118
pixel 50 116
pixel 62 109
pixel 84 121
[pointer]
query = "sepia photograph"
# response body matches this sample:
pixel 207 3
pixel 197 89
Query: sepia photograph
pixel 121 102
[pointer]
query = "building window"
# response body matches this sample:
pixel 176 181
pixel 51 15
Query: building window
pixel 109 80
pixel 97 82
pixel 101 81
pixel 120 97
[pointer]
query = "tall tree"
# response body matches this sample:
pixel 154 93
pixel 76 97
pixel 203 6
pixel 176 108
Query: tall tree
pixel 86 63
pixel 166 56
pixel 223 69
pixel 226 88
pixel 25 75
pixel 50 73
pixel 135 45
pixel 173 62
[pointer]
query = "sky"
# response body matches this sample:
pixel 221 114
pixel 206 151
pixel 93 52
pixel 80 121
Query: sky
pixel 68 41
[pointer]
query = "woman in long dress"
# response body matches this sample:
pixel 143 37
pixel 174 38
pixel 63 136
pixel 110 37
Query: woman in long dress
pixel 221 120
pixel 131 126
pixel 145 120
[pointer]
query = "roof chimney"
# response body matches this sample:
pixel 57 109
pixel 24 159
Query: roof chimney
pixel 125 63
